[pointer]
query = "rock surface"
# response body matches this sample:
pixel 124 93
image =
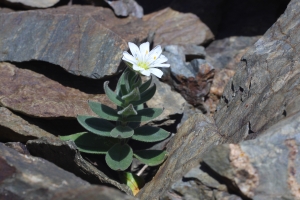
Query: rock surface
pixel 266 82
pixel 125 8
pixel 31 3
pixel 86 41
pixel 67 156
pixel 264 168
pixel 195 136
pixel 188 28
pixel 14 128
pixel 28 177
pixel 36 95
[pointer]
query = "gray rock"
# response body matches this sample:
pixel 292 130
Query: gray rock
pixel 19 147
pixel 28 177
pixel 126 7
pixel 265 83
pixel 14 128
pixel 84 40
pixel 195 136
pixel 263 168
pixel 31 3
pixel 67 156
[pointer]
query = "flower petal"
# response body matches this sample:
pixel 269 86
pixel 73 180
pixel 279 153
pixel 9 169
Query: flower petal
pixel 159 65
pixel 161 59
pixel 129 58
pixel 156 72
pixel 135 51
pixel 145 72
pixel 137 68
pixel 144 49
pixel 154 54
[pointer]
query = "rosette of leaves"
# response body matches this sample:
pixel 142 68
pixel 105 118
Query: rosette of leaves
pixel 109 134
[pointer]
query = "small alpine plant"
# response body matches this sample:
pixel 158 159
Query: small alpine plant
pixel 110 132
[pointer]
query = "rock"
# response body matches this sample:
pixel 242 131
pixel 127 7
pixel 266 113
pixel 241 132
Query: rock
pixel 67 156
pixel 126 7
pixel 84 40
pixel 172 27
pixel 36 95
pixel 195 136
pixel 31 3
pixel 194 81
pixel 263 168
pixel 14 128
pixel 187 52
pixel 164 95
pixel 28 177
pixel 265 83
pixel 18 146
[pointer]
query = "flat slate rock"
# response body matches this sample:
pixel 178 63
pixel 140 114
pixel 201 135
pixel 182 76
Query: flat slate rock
pixel 28 177
pixel 15 129
pixel 264 168
pixel 174 28
pixel 36 95
pixel 67 156
pixel 84 40
pixel 197 135
pixel 266 83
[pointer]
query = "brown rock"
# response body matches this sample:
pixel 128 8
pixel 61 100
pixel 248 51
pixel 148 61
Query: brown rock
pixel 14 128
pixel 172 27
pixel 84 40
pixel 34 94
pixel 195 136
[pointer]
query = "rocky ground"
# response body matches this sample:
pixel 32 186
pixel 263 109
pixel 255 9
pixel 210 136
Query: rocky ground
pixel 231 96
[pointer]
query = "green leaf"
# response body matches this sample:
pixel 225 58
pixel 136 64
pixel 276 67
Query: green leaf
pixel 133 181
pixel 146 96
pixel 104 111
pixel 134 95
pixel 145 115
pixel 91 143
pixel 121 82
pixel 111 95
pixel 126 80
pixel 151 157
pixel 119 157
pixel 129 110
pixel 145 85
pixel 137 83
pixel 122 132
pixel 96 125
pixel 150 134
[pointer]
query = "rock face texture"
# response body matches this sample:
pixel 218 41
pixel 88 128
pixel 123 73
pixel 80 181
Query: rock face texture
pixel 126 7
pixel 14 128
pixel 34 94
pixel 195 136
pixel 28 177
pixel 188 27
pixel 67 156
pixel 264 168
pixel 31 3
pixel 86 41
pixel 266 83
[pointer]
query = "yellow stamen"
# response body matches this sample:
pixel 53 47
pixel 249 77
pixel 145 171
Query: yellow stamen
pixel 147 51
pixel 154 57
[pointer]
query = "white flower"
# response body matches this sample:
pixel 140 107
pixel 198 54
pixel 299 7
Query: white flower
pixel 144 61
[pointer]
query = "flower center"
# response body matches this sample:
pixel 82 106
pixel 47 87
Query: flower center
pixel 143 65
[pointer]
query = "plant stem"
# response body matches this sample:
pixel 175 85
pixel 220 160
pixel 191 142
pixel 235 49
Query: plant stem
pixel 142 170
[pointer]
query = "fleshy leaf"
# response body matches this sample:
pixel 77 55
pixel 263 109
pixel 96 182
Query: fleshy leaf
pixel 129 110
pixel 133 181
pixel 111 95
pixel 96 125
pixel 137 83
pixel 150 134
pixel 134 95
pixel 119 157
pixel 91 143
pixel 104 111
pixel 146 96
pixel 122 132
pixel 121 82
pixel 151 157
pixel 145 115
pixel 145 85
